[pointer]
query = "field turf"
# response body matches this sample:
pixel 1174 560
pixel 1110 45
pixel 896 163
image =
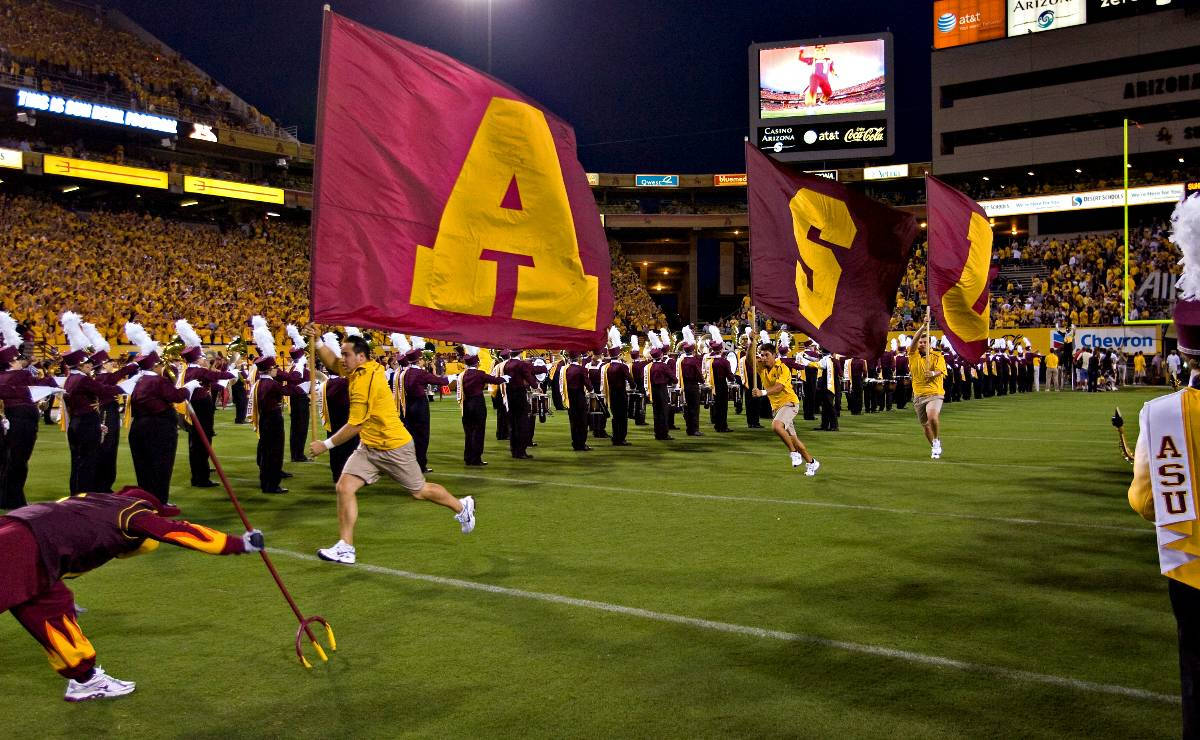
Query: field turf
pixel 699 588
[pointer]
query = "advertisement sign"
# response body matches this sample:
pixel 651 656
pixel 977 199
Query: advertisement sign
pixel 230 189
pixel 1083 201
pixel 1193 187
pixel 1129 339
pixel 827 174
pixel 88 170
pixel 824 98
pixel 886 172
pixel 11 159
pixel 958 22
pixel 728 180
pixel 1106 10
pixel 823 137
pixel 33 100
pixel 593 178
pixel 656 181
pixel 1035 16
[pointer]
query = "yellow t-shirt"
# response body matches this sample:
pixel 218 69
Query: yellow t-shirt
pixel 918 366
pixel 1139 363
pixel 1051 361
pixel 782 375
pixel 373 409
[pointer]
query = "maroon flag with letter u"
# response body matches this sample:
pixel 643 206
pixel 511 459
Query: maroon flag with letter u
pixel 447 204
pixel 959 267
pixel 825 258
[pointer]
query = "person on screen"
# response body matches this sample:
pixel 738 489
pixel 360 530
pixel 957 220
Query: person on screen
pixel 822 68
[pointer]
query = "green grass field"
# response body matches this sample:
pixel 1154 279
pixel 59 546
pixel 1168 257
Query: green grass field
pixel 699 588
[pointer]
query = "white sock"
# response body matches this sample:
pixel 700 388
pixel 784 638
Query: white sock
pixel 342 543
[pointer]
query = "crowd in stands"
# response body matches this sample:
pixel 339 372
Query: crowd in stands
pixel 661 205
pixel 60 48
pixel 113 267
pixel 1049 183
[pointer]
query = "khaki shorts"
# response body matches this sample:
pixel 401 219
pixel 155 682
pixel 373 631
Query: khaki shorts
pixel 399 464
pixel 786 415
pixel 925 404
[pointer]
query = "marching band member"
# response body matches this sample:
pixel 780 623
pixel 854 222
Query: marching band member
pixel 718 375
pixel 503 427
pixel 638 406
pixel 520 378
pixel 298 415
pixel 470 385
pixel 615 378
pixel 749 402
pixel 555 391
pixel 81 404
pixel 660 377
pixel 777 388
pixel 107 373
pixel 20 408
pixel 334 398
pixel 203 402
pixel 411 382
pixel 903 378
pixel 573 380
pixel 266 407
pixel 154 432
pixel 827 388
pixel 858 379
pixel 690 372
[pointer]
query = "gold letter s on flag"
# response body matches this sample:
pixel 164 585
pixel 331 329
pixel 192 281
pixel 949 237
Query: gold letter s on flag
pixel 520 259
pixel 820 223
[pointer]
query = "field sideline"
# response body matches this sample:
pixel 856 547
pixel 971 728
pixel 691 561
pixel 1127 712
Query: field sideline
pixel 686 589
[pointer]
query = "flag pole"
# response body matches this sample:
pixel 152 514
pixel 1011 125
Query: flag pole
pixel 313 421
pixel 752 352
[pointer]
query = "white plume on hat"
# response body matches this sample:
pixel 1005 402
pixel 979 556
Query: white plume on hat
pixel 688 336
pixel 652 338
pixel 330 340
pixel 352 331
pixel 1009 344
pixel 905 341
pixel 8 330
pixel 946 343
pixel 187 333
pixel 716 334
pixel 418 343
pixel 764 337
pixel 72 327
pixel 263 339
pixel 138 337
pixel 633 343
pixel 614 338
pixel 895 345
pixel 400 343
pixel 664 337
pixel 470 351
pixel 1185 232
pixel 297 338
pixel 95 338
pixel 785 339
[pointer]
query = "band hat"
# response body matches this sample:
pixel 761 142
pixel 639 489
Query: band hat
pixel 1185 232
pixel 298 343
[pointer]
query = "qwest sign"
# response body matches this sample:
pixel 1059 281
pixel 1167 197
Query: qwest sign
pixel 33 100
pixel 656 181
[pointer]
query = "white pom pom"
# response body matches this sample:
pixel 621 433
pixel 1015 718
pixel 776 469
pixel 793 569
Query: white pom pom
pixel 1185 233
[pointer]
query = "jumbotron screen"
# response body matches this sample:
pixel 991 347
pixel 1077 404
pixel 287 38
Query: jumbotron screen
pixel 823 99
pixel 823 79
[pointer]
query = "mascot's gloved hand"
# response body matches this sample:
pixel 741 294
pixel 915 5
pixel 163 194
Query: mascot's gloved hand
pixel 253 540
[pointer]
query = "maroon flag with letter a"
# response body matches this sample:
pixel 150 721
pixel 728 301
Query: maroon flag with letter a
pixel 449 205
pixel 959 268
pixel 824 258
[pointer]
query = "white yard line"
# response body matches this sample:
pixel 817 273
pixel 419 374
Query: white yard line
pixel 879 651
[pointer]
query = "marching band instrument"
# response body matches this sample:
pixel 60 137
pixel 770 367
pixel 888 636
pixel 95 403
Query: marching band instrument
pixel 539 405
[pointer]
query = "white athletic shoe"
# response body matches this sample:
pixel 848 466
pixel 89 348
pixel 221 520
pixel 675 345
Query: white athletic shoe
pixel 797 459
pixel 466 517
pixel 99 686
pixel 936 454
pixel 811 469
pixel 339 553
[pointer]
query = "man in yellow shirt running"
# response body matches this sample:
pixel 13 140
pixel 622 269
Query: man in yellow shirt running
pixel 777 387
pixel 385 446
pixel 928 368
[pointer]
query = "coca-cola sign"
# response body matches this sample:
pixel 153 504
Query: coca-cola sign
pixel 823 137
pixel 861 134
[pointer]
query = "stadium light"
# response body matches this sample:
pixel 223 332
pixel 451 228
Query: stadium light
pixel 986 178
pixel 70 188
pixel 1030 173
pixel 924 224
pixel 272 213
pixel 1181 160
pixel 1078 171
pixel 187 203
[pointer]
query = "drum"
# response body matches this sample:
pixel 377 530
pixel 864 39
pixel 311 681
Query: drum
pixel 539 405
pixel 597 405
pixel 637 405
pixel 676 398
pixel 735 395
pixel 706 396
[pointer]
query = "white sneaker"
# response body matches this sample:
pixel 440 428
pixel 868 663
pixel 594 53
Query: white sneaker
pixel 797 459
pixel 466 517
pixel 99 686
pixel 811 469
pixel 935 455
pixel 339 553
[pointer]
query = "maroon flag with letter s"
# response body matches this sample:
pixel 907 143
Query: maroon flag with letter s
pixel 959 268
pixel 825 258
pixel 447 204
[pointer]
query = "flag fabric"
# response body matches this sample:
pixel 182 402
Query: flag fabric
pixel 448 205
pixel 825 258
pixel 1056 339
pixel 959 268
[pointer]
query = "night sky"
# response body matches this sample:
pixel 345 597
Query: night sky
pixel 650 85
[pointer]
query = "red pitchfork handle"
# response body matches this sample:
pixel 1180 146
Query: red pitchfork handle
pixel 304 623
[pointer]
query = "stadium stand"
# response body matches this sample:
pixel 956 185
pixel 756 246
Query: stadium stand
pixel 72 49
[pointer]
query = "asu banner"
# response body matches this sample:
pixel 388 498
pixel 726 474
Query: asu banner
pixel 959 267
pixel 449 205
pixel 823 258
